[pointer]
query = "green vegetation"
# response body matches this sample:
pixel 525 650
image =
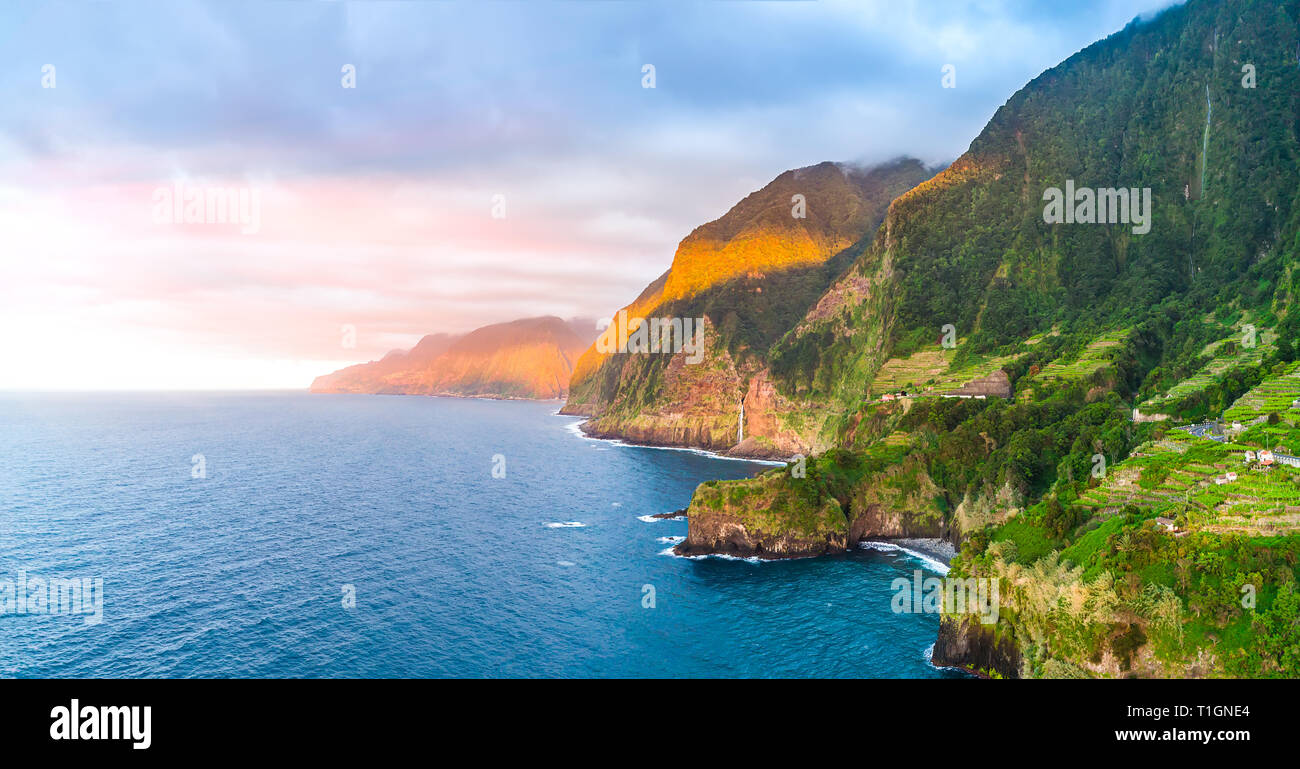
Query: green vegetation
pixel 933 369
pixel 1238 350
pixel 1274 396
pixel 1096 356
pixel 1126 597
pixel 767 504
pixel 970 247
pixel 750 311
pixel 1056 491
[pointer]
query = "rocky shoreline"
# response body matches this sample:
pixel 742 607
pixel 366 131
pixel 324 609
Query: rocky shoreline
pixel 757 455
pixel 687 550
pixel 978 649
pixel 933 548
pixel 673 515
pixel 930 548
pixel 958 645
pixel 458 396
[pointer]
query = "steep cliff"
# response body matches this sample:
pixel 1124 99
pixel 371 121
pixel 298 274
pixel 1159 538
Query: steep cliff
pixel 1119 550
pixel 976 249
pixel 528 358
pixel 814 507
pixel 965 643
pixel 370 377
pixel 751 274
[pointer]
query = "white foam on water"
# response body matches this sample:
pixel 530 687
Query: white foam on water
pixel 720 556
pixel 566 525
pixel 928 655
pixel 576 429
pixel 671 540
pixel 653 519
pixel 930 562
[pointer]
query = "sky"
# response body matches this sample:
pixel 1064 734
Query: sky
pixel 489 161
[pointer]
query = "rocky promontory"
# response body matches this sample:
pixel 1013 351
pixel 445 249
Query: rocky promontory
pixel 827 507
pixel 965 643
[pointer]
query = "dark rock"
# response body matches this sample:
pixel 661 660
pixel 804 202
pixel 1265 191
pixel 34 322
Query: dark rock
pixel 965 643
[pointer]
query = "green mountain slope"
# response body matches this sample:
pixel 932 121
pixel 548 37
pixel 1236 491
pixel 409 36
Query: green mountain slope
pixel 1054 492
pixel 752 275
pixel 970 247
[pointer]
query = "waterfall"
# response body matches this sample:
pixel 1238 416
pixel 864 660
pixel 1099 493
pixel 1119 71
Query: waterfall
pixel 740 423
pixel 1205 142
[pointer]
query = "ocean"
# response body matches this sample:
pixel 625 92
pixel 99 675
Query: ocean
pixel 295 535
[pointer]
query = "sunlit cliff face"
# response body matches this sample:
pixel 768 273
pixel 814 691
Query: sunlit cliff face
pixel 529 358
pixel 801 218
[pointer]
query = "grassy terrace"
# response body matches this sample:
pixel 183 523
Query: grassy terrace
pixel 1095 356
pixel 1222 356
pixel 897 438
pixel 1273 396
pixel 1175 475
pixel 931 368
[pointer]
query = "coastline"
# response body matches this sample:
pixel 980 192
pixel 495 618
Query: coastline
pixel 936 554
pixel 460 396
pixel 935 551
pixel 577 429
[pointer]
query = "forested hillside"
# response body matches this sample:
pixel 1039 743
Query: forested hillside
pixel 752 275
pixel 1184 310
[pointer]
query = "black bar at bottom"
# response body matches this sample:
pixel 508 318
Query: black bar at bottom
pixel 235 718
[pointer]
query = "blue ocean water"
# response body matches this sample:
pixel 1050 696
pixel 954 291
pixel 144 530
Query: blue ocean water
pixel 455 572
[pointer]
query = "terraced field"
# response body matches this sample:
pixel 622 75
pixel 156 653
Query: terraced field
pixel 931 369
pixel 1095 356
pixel 897 438
pixel 1273 396
pixel 1265 505
pixel 914 371
pixel 1176 475
pixel 1220 361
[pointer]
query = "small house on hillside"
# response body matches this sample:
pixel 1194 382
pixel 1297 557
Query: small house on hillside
pixel 1167 524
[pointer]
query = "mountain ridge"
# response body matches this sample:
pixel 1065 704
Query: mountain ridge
pixel 749 275
pixel 1122 545
pixel 526 358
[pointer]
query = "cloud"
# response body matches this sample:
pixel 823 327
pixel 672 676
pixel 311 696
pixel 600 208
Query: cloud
pixel 376 201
